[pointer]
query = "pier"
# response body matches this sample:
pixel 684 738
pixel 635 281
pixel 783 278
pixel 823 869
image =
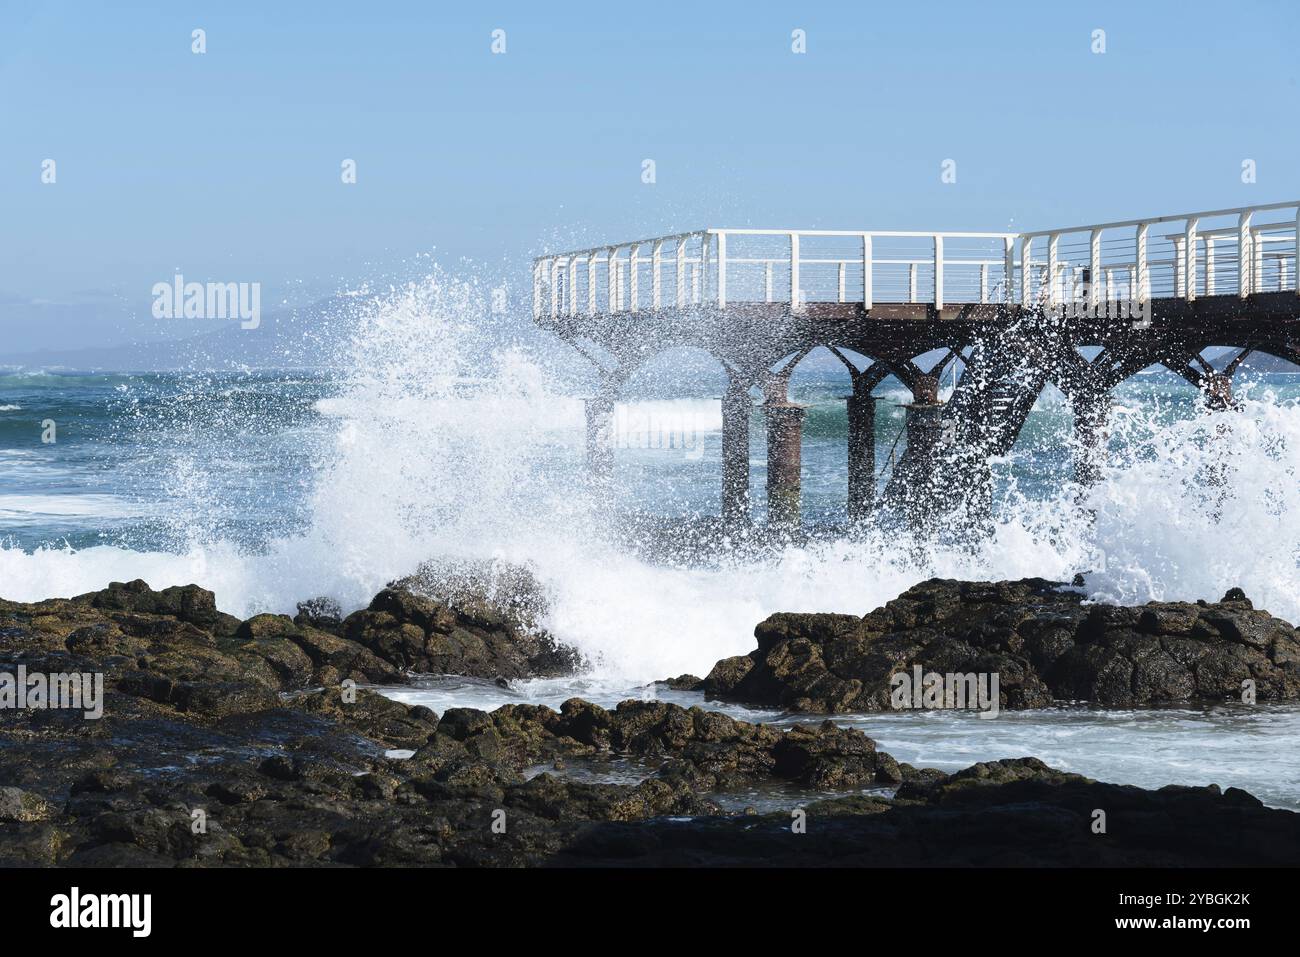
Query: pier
pixel 1080 307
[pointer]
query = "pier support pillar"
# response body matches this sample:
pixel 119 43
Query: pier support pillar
pixel 925 437
pixel 925 430
pixel 784 433
pixel 1090 415
pixel 600 440
pixel 925 390
pixel 1218 392
pixel 923 486
pixel 736 409
pixel 862 455
pixel 1215 472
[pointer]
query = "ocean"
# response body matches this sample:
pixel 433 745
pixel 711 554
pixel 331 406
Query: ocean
pixel 445 438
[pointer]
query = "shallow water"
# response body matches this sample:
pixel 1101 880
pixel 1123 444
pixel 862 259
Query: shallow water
pixel 1252 748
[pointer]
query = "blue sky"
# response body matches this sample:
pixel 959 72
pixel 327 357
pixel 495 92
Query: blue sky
pixel 226 165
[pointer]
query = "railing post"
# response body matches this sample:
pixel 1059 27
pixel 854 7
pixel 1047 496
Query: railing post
pixel 611 278
pixel 1053 265
pixel 1009 269
pixel 656 268
pixel 1180 268
pixel 572 286
pixel 913 293
pixel 984 282
pixel 555 288
pixel 537 288
pixel 1209 265
pixel 1094 272
pixel 722 270
pixel 843 270
pixel 1257 245
pixel 1245 257
pixel 1189 258
pixel 634 257
pixel 1297 252
pixel 701 293
pixel 592 259
pixel 938 272
pixel 681 271
pixel 795 305
pixel 1142 271
pixel 866 270
pixel 1026 272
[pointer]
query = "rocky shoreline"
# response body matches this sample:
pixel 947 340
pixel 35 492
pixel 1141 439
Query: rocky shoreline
pixel 1040 638
pixel 256 743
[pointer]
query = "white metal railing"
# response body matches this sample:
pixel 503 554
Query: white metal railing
pixel 1231 251
pixel 1240 251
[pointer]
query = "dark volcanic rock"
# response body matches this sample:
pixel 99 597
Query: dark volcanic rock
pixel 420 634
pixel 705 750
pixel 322 613
pixel 1040 639
pixel 160 643
pixel 211 753
pixel 1002 814
pixel 188 603
pixel 492 592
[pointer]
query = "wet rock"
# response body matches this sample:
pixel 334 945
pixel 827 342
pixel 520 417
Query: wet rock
pixel 417 633
pixel 684 747
pixel 324 614
pixel 685 683
pixel 1002 814
pixel 380 719
pixel 492 593
pixel 337 659
pixel 173 647
pixel 19 806
pixel 279 660
pixel 208 718
pixel 1038 637
pixel 188 603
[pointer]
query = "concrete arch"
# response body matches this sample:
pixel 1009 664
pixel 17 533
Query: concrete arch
pixel 865 370
pixel 737 404
pixel 644 366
